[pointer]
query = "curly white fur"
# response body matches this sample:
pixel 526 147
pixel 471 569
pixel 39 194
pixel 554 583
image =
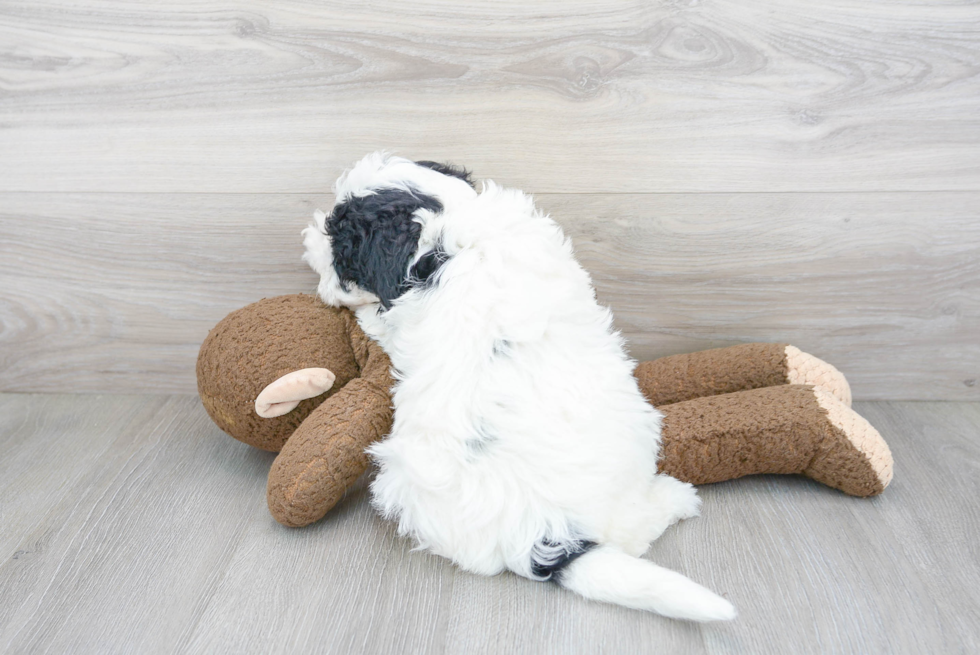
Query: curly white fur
pixel 518 423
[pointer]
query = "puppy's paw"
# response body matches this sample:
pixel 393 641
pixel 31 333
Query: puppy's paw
pixel 682 497
pixel 672 501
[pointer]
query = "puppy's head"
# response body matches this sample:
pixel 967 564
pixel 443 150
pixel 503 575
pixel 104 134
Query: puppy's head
pixel 373 241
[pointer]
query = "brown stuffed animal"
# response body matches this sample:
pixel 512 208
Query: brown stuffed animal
pixel 325 389
pixel 285 344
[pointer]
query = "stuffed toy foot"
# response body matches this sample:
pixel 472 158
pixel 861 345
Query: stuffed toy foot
pixel 729 412
pixel 790 428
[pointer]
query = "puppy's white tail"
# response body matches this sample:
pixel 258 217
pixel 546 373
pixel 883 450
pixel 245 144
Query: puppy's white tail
pixel 607 574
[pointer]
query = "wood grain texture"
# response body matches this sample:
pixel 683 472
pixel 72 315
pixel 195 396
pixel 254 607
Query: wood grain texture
pixel 127 559
pixel 40 475
pixel 621 96
pixel 158 540
pixel 884 286
pixel 115 292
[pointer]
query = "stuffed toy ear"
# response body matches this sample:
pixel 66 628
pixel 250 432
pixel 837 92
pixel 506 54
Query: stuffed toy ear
pixel 285 394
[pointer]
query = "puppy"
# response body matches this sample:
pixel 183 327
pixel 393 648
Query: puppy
pixel 520 440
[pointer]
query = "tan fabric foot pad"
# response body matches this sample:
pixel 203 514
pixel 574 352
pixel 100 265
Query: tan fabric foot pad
pixel 780 429
pixel 803 368
pixel 853 458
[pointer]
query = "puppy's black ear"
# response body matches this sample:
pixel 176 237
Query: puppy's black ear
pixel 449 169
pixel 374 238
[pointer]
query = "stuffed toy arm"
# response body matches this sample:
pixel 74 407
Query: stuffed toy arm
pixel 326 454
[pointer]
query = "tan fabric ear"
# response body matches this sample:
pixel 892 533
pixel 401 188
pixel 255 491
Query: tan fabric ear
pixel 284 394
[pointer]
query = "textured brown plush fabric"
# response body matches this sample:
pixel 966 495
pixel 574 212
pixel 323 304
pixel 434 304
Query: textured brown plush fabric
pixel 322 441
pixel 779 429
pixel 326 454
pixel 257 344
pixel 678 378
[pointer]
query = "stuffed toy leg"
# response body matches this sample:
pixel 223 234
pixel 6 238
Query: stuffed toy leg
pixel 324 390
pixel 726 370
pixel 762 408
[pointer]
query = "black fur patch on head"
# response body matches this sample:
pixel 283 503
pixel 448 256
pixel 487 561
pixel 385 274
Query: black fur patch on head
pixel 549 559
pixel 449 169
pixel 374 238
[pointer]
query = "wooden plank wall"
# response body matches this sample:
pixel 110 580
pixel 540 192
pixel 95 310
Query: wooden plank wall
pixel 791 171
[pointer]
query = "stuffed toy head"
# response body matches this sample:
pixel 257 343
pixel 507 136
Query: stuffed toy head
pixel 257 345
pixel 294 376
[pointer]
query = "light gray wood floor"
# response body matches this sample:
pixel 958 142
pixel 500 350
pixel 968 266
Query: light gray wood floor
pixel 132 524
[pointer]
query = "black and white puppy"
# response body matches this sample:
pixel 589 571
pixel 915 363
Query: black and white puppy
pixel 521 440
